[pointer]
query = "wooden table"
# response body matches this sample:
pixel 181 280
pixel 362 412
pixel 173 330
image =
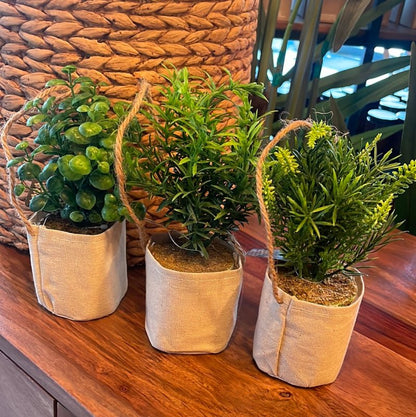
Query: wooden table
pixel 107 367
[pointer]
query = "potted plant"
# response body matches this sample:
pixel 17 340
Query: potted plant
pixel 197 151
pixel 326 207
pixel 77 235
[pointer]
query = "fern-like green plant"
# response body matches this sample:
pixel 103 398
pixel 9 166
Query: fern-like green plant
pixel 200 156
pixel 330 205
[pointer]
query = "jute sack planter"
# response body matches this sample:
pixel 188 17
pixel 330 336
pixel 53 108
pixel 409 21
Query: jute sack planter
pixel 190 312
pixel 299 342
pixel 78 276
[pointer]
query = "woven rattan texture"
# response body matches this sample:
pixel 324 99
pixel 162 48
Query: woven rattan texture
pixel 117 42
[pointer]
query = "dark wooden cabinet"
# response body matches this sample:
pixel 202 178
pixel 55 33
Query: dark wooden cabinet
pixel 61 411
pixel 20 395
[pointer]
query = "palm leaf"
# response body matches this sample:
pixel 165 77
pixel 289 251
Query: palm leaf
pixel 357 75
pixel 266 48
pixel 358 141
pixel 348 18
pixel 299 85
pixel 373 93
pixel 374 13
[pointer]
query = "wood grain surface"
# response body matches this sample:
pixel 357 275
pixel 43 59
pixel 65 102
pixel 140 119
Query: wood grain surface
pixel 107 368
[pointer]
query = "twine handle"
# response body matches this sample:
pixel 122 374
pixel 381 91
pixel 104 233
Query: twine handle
pixel 11 179
pixel 263 210
pixel 144 88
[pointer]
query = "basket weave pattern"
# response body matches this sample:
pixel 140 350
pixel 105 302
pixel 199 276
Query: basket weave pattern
pixel 116 42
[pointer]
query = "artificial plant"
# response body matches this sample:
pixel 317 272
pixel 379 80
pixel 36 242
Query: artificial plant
pixel 199 155
pixel 329 204
pixel 76 133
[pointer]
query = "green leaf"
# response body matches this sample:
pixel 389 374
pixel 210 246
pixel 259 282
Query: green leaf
pixel 374 13
pixel 69 69
pixel 38 202
pixel 101 107
pixel 48 104
pixel 101 181
pixel 28 171
pixel 22 145
pixel 323 208
pixel 85 199
pixel 15 161
pixel 55 184
pixel 120 108
pixel 74 134
pixel 80 80
pixel 359 141
pixel 349 15
pixel 83 108
pixel 76 216
pixel 46 149
pixel 362 73
pixel 80 97
pixel 338 119
pixel 80 164
pixel 53 83
pixel 29 105
pixel 184 160
pixel 19 189
pixel 89 129
pixel 354 102
pixel 299 86
pixel 37 118
pixel 48 170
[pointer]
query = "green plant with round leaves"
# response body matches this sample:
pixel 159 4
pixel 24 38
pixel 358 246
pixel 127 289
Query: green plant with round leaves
pixel 329 204
pixel 200 157
pixel 76 133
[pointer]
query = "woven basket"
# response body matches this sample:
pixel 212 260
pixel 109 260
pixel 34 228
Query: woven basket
pixel 117 42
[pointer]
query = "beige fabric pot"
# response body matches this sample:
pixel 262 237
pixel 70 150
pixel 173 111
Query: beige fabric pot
pixel 79 277
pixel 190 312
pixel 302 343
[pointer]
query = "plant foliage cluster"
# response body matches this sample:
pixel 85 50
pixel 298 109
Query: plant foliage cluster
pixel 329 204
pixel 77 135
pixel 201 155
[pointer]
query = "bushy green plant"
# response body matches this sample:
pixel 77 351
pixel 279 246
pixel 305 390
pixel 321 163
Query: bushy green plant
pixel 76 134
pixel 201 155
pixel 329 204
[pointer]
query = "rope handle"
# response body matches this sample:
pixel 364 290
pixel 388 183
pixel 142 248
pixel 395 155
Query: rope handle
pixel 263 210
pixel 144 88
pixel 11 177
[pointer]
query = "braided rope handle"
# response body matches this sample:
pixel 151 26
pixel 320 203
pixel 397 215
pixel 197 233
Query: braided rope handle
pixel 144 88
pixel 263 210
pixel 11 177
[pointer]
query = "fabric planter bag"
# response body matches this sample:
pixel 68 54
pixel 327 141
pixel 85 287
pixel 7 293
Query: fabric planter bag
pixel 77 276
pixel 190 312
pixel 299 342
